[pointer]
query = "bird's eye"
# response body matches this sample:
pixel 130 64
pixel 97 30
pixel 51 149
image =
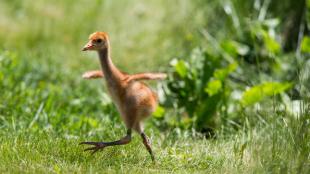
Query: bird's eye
pixel 98 40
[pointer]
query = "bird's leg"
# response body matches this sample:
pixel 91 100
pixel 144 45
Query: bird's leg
pixel 147 144
pixel 100 145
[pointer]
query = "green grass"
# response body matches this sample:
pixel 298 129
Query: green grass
pixel 46 108
pixel 268 148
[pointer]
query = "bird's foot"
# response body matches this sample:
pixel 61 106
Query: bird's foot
pixel 96 146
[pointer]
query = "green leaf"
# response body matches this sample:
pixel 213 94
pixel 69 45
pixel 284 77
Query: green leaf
pixel 180 68
pixel 222 73
pixel 259 92
pixel 213 87
pixel 270 43
pixel 305 44
pixel 234 48
pixel 159 112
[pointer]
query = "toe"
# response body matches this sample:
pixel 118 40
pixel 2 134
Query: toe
pixel 90 143
pixel 90 148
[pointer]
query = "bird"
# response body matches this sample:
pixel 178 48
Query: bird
pixel 134 100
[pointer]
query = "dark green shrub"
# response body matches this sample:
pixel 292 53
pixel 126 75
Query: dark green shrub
pixel 199 87
pixel 216 84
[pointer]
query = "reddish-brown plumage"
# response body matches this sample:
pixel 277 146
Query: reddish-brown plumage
pixel 134 100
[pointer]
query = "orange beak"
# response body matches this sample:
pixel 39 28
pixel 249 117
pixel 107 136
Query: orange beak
pixel 88 46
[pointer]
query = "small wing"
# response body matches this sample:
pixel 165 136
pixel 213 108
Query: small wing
pixel 93 74
pixel 145 76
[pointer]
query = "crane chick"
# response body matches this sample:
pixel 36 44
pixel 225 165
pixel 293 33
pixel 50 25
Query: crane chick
pixel 134 100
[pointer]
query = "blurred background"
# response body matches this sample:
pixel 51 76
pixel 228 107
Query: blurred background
pixel 233 65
